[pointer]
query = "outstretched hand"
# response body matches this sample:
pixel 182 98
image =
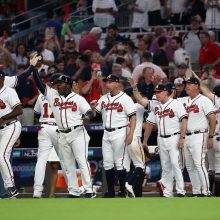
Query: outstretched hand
pixel 132 82
pixel 35 59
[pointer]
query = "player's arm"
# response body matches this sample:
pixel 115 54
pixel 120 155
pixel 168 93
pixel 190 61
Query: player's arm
pixel 88 117
pixel 129 137
pixel 138 97
pixel 17 110
pixel 147 132
pixel 212 125
pixel 40 85
pixel 183 127
pixel 205 90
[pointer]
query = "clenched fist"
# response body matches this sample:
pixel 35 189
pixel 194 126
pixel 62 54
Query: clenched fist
pixel 35 59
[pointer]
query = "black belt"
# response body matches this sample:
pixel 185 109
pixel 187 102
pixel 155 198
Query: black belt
pixel 167 136
pixel 114 129
pixel 69 129
pixel 196 132
pixel 9 123
pixel 48 123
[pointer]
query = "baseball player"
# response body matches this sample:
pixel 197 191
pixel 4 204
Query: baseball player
pixel 171 119
pixel 214 153
pixel 117 110
pixel 135 152
pixel 47 138
pixel 68 108
pixel 199 136
pixel 10 129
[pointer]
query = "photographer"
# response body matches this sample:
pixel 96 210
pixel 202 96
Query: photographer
pixel 94 88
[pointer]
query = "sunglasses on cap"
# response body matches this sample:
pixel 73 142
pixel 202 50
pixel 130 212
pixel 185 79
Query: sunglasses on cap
pixel 65 79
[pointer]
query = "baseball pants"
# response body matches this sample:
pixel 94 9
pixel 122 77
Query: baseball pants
pixel 8 137
pixel 195 152
pixel 135 154
pixel 170 161
pixel 74 148
pixel 114 149
pixel 47 139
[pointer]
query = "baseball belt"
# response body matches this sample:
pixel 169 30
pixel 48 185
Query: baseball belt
pixel 48 123
pixel 114 129
pixel 167 136
pixel 196 132
pixel 9 123
pixel 69 129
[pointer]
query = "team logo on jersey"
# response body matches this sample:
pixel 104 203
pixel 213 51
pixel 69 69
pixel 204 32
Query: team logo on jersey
pixel 112 106
pixel 2 104
pixel 65 105
pixel 193 108
pixel 162 114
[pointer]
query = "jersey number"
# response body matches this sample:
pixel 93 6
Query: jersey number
pixel 45 115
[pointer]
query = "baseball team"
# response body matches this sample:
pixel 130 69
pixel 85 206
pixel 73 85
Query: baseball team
pixel 188 130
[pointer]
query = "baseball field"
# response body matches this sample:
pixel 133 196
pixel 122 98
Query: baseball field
pixel 111 209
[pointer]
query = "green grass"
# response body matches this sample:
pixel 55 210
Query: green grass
pixel 111 209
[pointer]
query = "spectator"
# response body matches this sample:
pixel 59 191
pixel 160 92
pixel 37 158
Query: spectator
pixel 7 63
pixel 180 88
pixel 191 42
pixel 180 55
pixel 51 41
pixel 48 56
pixel 213 37
pixel 154 15
pixel 147 62
pixel 70 47
pixel 94 88
pixel 113 31
pixel 90 41
pixel 160 56
pixel 160 32
pixel 142 48
pixel 212 13
pixel 104 11
pixel 52 22
pixel 59 64
pixel 109 43
pixel 145 85
pixel 176 11
pixel 20 56
pixel 140 14
pixel 210 55
pixel 125 70
pixel 27 93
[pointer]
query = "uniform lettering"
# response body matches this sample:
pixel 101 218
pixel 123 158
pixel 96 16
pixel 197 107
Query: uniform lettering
pixel 192 108
pixel 112 106
pixel 65 105
pixel 162 114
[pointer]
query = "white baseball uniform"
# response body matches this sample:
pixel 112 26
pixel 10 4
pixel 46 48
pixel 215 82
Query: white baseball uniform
pixel 47 139
pixel 11 81
pixel 115 115
pixel 167 117
pixel 195 149
pixel 214 153
pixel 135 149
pixel 9 133
pixel 73 138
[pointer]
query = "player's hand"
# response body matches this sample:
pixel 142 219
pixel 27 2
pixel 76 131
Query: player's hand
pixel 93 104
pixel 210 143
pixel 146 153
pixel 132 82
pixel 35 59
pixel 180 143
pixel 128 139
pixel 17 143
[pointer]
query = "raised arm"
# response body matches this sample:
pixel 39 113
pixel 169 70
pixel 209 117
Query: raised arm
pixel 138 97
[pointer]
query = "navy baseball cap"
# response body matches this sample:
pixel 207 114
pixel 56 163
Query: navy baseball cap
pixel 2 74
pixel 66 79
pixel 55 78
pixel 111 78
pixel 192 80
pixel 164 87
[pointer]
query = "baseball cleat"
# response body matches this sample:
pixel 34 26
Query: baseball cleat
pixel 109 195
pixel 129 190
pixel 90 195
pixel 70 196
pixel 11 193
pixel 122 194
pixel 180 195
pixel 161 187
